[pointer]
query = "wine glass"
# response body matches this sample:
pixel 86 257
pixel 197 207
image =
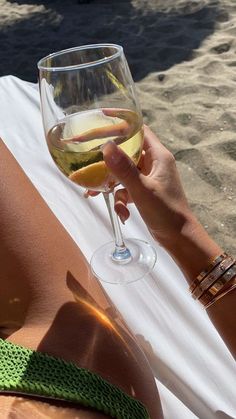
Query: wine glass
pixel 88 98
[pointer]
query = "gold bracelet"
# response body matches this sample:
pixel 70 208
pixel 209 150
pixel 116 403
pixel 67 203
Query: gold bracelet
pixel 219 286
pixel 222 294
pixel 217 272
pixel 213 263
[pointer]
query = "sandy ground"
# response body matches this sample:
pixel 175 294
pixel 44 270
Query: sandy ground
pixel 182 56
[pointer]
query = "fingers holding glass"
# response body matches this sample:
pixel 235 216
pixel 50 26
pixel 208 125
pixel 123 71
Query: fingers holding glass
pixel 88 99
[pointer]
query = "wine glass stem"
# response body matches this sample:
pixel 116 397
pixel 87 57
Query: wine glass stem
pixel 121 253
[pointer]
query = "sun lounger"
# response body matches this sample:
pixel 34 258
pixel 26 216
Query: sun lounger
pixel 194 371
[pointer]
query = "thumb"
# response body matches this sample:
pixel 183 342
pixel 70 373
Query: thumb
pixel 121 166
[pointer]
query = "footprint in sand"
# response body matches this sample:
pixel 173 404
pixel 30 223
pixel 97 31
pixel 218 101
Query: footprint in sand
pixel 196 161
pixel 229 148
pixel 221 48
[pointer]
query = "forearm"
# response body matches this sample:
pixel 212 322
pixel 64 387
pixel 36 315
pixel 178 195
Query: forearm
pixel 193 251
pixel 222 314
pixel 158 194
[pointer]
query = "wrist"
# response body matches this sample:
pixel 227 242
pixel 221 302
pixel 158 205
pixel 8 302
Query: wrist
pixel 191 248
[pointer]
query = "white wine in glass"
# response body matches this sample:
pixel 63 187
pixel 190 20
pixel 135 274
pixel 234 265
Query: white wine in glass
pixel 87 99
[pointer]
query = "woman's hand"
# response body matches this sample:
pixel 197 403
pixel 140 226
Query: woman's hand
pixel 154 187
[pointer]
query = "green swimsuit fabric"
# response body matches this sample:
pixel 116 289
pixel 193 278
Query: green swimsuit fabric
pixel 28 372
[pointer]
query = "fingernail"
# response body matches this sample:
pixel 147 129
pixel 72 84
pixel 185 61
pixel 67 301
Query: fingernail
pixel 111 153
pixel 123 214
pixel 86 194
pixel 122 218
pixel 107 144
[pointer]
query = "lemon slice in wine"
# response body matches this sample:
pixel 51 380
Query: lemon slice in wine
pixel 91 177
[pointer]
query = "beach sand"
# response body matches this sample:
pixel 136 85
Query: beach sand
pixel 182 56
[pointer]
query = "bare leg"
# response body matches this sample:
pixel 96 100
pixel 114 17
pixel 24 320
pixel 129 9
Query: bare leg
pixel 49 300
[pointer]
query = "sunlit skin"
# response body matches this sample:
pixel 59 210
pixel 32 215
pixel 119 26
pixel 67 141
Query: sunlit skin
pixel 100 316
pixel 57 306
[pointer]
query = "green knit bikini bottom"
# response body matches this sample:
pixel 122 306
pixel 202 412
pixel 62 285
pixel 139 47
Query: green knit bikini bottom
pixel 23 371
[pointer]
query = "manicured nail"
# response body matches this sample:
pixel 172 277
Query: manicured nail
pixel 122 212
pixel 111 153
pixel 122 218
pixel 86 194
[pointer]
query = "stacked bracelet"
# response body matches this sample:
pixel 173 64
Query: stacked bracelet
pixel 213 263
pixel 215 281
pixel 219 286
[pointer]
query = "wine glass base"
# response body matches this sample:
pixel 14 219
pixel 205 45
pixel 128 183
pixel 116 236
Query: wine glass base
pixel 106 269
